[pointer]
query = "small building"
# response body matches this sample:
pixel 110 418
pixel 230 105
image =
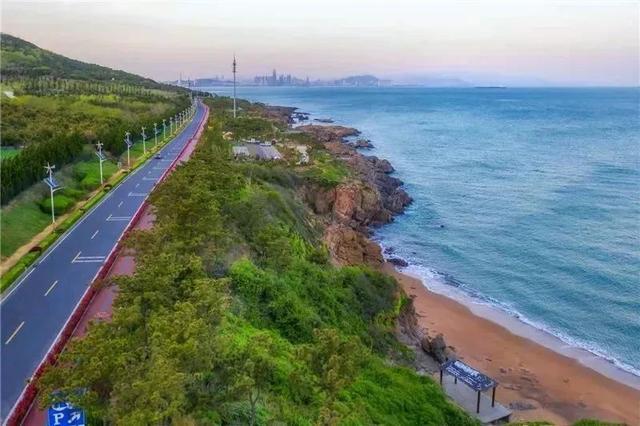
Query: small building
pixel 256 149
pixel 267 152
pixel 240 151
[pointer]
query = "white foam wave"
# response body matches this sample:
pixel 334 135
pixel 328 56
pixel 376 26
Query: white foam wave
pixel 448 286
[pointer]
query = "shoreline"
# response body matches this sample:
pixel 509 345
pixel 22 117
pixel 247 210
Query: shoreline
pixel 540 382
pixel 599 362
pixel 541 376
pixel 539 335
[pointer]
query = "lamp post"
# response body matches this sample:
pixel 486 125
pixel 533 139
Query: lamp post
pixel 53 187
pixel 101 159
pixel 155 135
pixel 164 129
pixel 127 141
pixel 234 85
pixel 170 125
pixel 144 143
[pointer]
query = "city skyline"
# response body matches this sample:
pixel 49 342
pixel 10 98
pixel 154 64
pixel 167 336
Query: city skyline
pixel 494 42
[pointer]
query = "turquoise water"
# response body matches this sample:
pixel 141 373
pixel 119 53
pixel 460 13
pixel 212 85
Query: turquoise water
pixel 526 199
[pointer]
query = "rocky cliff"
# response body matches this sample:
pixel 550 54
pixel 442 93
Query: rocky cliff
pixel 370 198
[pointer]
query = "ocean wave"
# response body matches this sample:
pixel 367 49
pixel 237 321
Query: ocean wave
pixel 449 286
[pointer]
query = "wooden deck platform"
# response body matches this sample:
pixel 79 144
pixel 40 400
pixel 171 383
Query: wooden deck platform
pixel 467 399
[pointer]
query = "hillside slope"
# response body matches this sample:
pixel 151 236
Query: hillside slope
pixel 21 58
pixel 55 112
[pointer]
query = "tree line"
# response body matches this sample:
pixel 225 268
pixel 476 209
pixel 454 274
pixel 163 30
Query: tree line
pixel 48 85
pixel 52 132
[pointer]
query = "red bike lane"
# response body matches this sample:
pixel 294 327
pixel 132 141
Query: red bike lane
pixel 99 308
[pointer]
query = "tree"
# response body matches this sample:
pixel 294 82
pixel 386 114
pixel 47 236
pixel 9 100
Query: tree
pixel 336 361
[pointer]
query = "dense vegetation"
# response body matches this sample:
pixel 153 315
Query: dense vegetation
pixel 22 59
pixel 235 316
pixel 61 104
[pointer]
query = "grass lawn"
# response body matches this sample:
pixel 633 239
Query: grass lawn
pixel 19 223
pixel 8 152
pixel 30 213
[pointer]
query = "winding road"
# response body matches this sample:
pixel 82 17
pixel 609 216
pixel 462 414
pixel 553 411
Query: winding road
pixel 34 311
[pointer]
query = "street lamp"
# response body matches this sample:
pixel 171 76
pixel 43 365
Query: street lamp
pixel 155 134
pixel 164 129
pixel 170 125
pixel 101 159
pixel 144 143
pixel 127 140
pixel 53 187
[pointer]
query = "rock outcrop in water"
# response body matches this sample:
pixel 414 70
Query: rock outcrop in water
pixel 372 199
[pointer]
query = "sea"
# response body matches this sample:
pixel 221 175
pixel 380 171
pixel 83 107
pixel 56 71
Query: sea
pixel 527 202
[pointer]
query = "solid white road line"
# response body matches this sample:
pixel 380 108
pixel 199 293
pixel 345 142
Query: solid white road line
pixel 51 288
pixel 95 233
pixel 14 333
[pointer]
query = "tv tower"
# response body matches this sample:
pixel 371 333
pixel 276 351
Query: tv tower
pixel 234 85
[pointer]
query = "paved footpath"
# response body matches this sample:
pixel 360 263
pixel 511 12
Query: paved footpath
pixel 37 307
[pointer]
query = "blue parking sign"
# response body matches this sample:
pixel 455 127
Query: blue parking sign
pixel 65 414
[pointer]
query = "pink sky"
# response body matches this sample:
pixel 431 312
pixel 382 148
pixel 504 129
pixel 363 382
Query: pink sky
pixel 557 42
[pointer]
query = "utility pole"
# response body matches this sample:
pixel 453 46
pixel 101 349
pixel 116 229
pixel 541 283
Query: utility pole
pixel 53 187
pixel 234 85
pixel 155 135
pixel 127 140
pixel 144 144
pixel 101 159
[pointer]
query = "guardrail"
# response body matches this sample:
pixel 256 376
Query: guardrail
pixel 28 395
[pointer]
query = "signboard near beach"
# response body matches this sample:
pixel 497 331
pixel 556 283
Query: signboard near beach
pixel 469 375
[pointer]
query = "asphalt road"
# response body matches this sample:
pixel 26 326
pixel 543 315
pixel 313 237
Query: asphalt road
pixel 36 308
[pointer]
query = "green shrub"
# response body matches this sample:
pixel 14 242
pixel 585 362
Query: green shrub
pixel 61 203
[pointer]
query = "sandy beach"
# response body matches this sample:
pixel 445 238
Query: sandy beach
pixel 542 383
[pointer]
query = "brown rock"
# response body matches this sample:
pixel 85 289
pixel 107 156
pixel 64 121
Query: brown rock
pixel 437 348
pixel 329 133
pixel 350 247
pixel 398 261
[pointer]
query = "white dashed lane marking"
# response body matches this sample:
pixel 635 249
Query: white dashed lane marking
pixel 51 288
pixel 95 233
pixel 14 333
